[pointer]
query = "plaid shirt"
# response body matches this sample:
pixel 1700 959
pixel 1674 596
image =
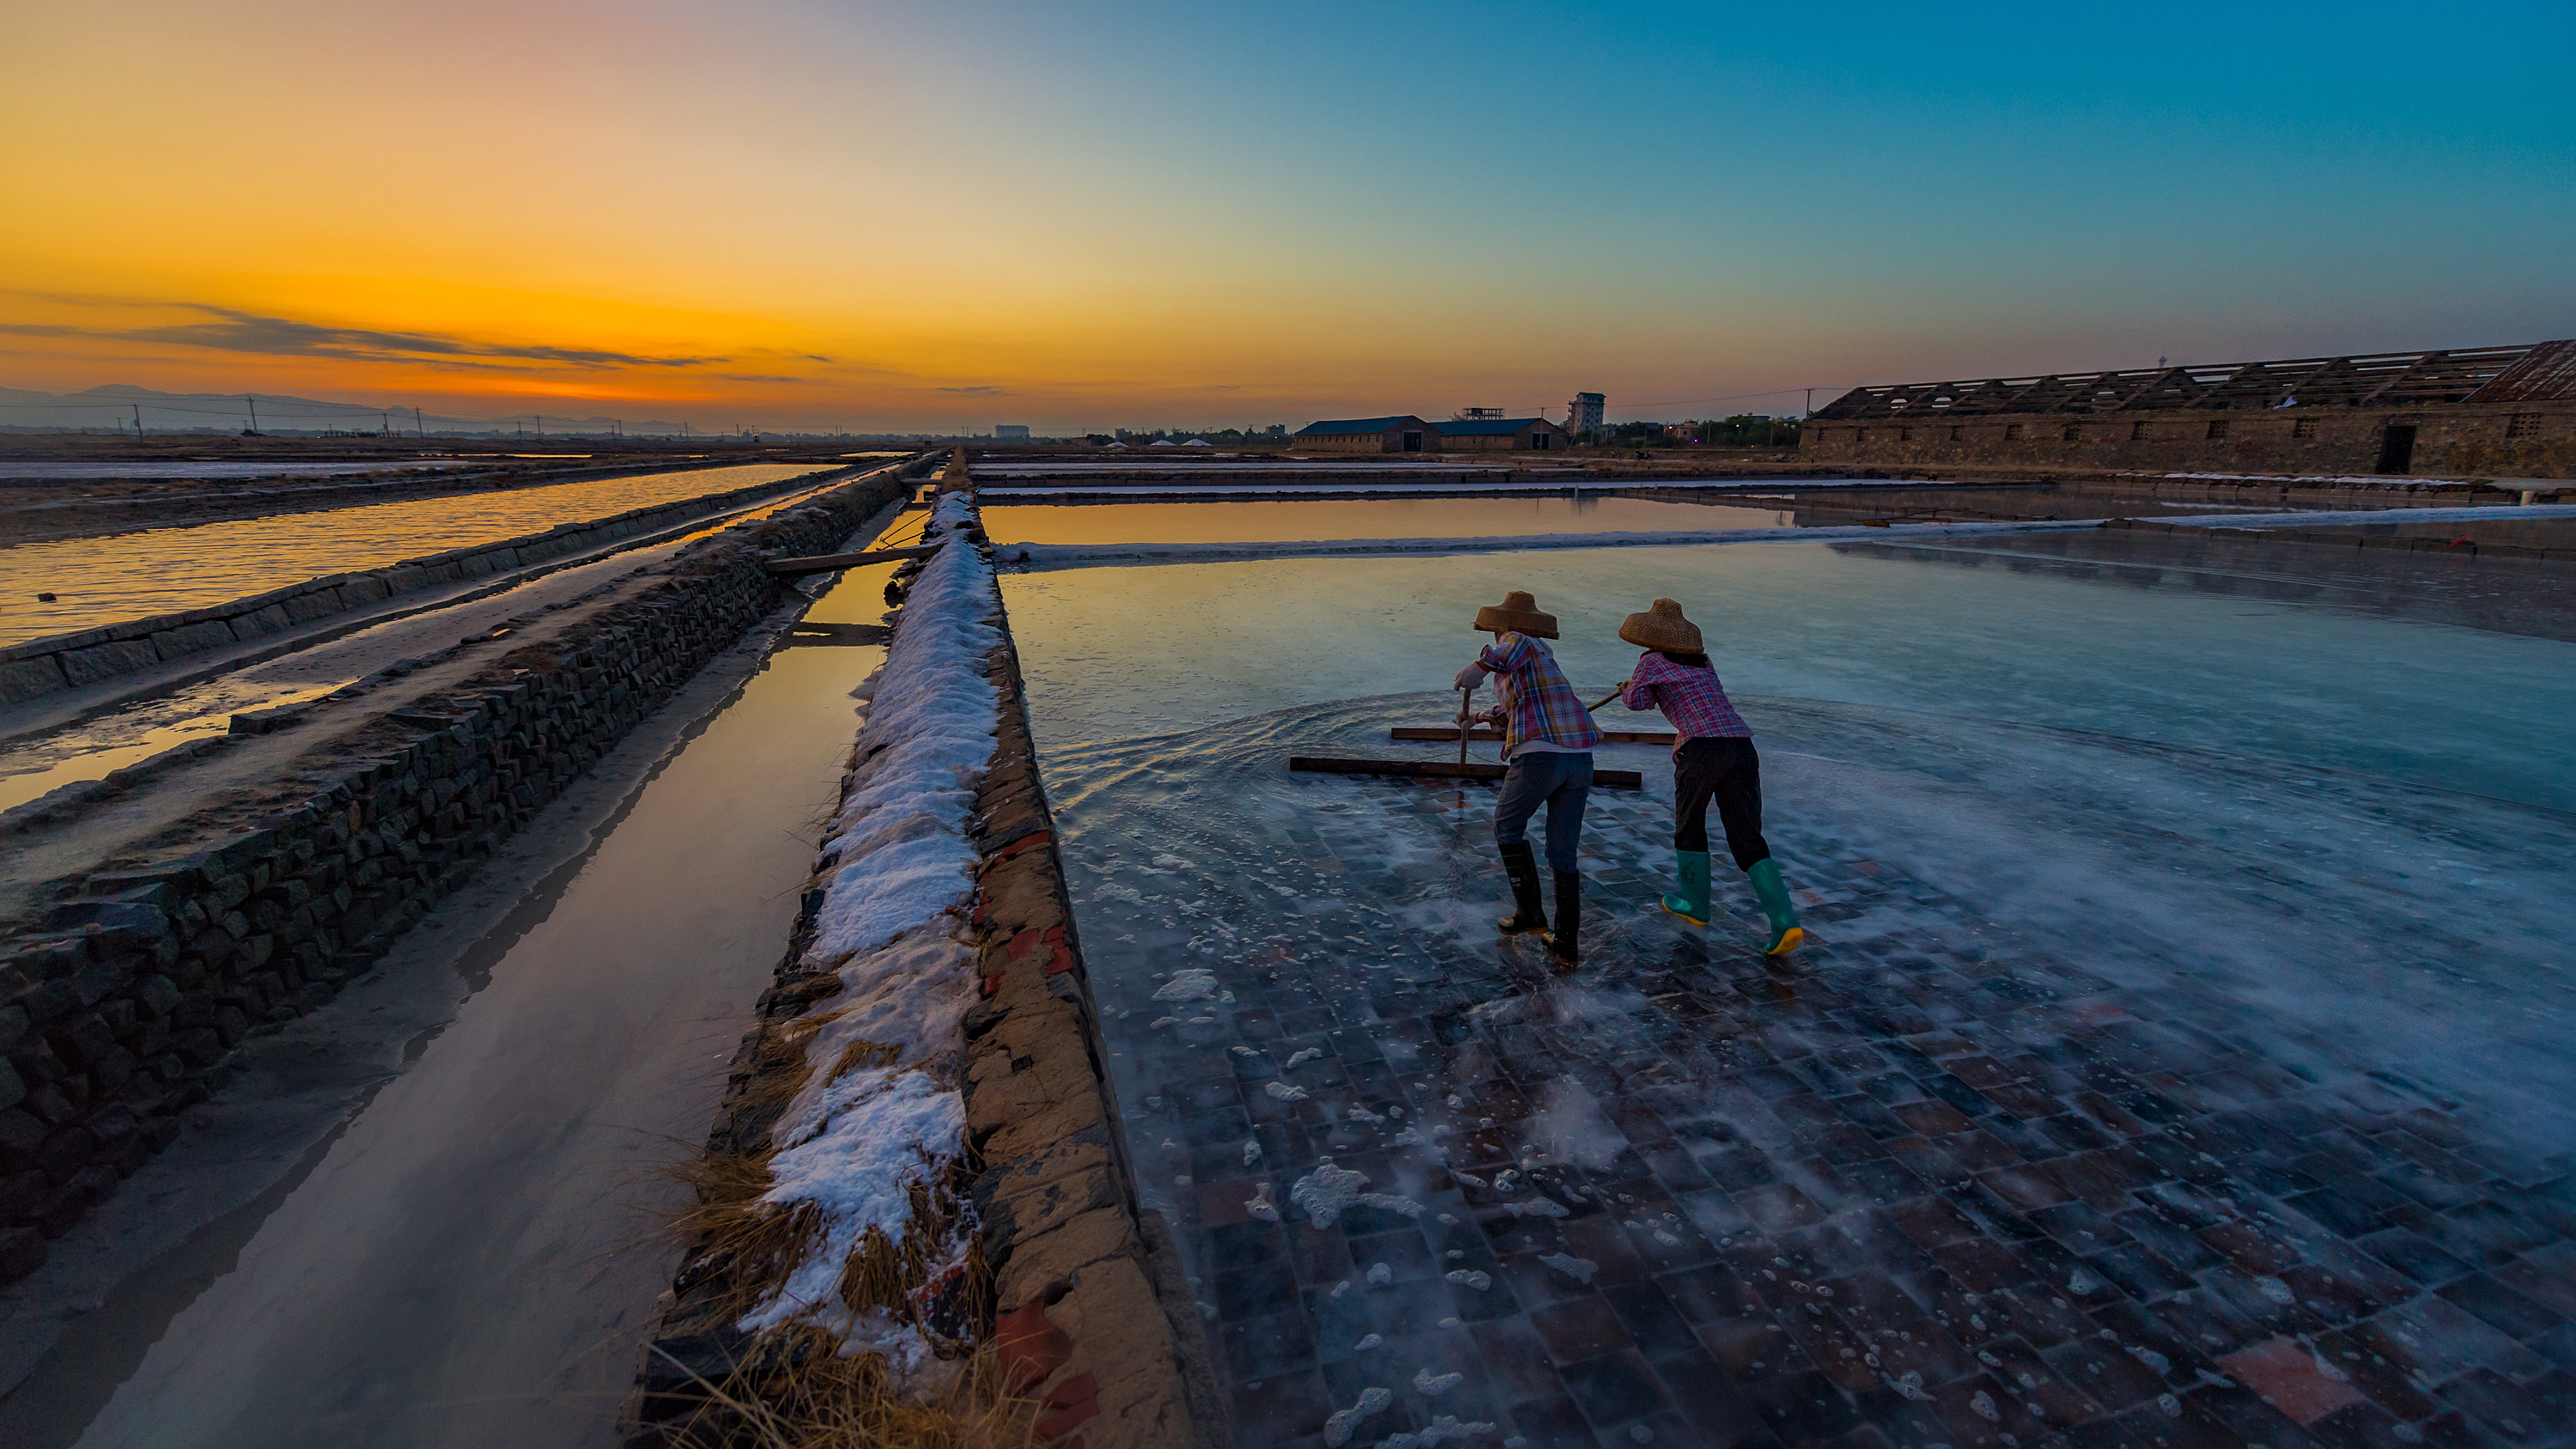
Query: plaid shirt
pixel 1537 704
pixel 1691 698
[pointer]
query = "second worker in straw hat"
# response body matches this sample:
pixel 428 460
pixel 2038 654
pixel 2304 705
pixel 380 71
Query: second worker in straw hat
pixel 1547 737
pixel 1713 759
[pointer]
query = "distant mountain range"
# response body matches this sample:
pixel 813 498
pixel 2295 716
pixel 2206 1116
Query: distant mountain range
pixel 116 405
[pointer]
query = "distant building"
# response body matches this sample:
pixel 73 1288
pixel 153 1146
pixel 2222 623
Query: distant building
pixel 1406 433
pixel 1005 432
pixel 1501 434
pixel 2499 412
pixel 1475 414
pixel 1583 414
pixel 1403 433
pixel 1277 430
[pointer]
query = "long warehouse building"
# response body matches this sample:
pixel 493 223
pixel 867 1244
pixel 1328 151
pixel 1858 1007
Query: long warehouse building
pixel 2500 412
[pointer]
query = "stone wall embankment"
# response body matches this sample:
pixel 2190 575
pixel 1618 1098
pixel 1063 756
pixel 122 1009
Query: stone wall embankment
pixel 2551 540
pixel 1083 1299
pixel 2486 440
pixel 121 1005
pixel 39 667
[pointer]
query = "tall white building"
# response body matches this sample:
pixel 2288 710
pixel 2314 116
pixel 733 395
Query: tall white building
pixel 1583 414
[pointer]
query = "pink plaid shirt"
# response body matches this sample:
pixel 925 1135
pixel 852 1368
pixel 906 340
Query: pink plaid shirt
pixel 1538 706
pixel 1691 698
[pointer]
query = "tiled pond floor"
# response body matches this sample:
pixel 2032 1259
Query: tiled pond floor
pixel 1972 1172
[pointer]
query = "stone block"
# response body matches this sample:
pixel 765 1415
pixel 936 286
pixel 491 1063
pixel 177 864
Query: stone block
pixel 25 679
pixel 259 623
pixel 1049 1260
pixel 109 660
pixel 190 639
pixel 22 1251
pixel 314 604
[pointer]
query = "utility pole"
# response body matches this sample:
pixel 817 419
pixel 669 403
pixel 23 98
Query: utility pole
pixel 1811 404
pixel 138 422
pixel 388 417
pixel 419 429
pixel 254 412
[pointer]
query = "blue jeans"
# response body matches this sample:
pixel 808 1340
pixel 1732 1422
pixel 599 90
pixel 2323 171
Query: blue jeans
pixel 1562 781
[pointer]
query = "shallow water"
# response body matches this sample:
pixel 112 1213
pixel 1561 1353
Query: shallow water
pixel 2165 898
pixel 104 580
pixel 1249 522
pixel 2066 995
pixel 475 1256
pixel 2460 678
pixel 48 472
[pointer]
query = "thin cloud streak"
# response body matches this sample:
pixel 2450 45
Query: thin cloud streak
pixel 251 332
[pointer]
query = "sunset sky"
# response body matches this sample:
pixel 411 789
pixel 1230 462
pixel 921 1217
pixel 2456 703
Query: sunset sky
pixel 891 216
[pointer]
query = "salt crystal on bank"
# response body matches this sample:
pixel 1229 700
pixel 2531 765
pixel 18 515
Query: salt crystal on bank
pixel 1427 1382
pixel 1194 983
pixel 1306 1054
pixel 1284 1092
pixel 1480 1281
pixel 1391 1203
pixel 1251 1153
pixel 1326 1191
pixel 1337 1429
pixel 1260 1205
pixel 1578 1269
pixel 1379 1275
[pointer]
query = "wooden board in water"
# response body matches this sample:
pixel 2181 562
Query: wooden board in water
pixel 1444 770
pixel 1450 732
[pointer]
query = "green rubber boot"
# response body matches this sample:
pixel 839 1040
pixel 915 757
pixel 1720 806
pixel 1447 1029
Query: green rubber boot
pixel 1691 904
pixel 1786 933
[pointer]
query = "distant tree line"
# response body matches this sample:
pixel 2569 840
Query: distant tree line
pixel 1744 430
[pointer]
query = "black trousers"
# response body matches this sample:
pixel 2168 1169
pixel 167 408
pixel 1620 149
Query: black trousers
pixel 1729 772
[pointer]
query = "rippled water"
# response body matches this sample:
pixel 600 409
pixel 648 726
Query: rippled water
pixel 159 571
pixel 1289 520
pixel 2151 885
pixel 2442 673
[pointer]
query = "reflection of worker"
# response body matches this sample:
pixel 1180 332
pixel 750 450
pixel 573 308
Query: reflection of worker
pixel 1548 737
pixel 1713 758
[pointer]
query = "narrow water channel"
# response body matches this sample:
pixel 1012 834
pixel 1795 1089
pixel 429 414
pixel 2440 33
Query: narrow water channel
pixel 474 1254
pixel 59 585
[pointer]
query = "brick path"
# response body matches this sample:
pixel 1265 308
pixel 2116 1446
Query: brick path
pixel 1910 1193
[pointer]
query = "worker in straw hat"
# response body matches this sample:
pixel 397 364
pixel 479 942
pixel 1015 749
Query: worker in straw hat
pixel 1713 759
pixel 1547 739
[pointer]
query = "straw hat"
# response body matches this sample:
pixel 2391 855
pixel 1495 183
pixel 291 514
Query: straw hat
pixel 1662 627
pixel 1518 612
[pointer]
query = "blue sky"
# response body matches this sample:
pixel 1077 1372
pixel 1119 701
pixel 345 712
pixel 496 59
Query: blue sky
pixel 906 214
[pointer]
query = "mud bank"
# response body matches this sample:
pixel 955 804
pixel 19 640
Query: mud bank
pixel 1045 1269
pixel 38 667
pixel 121 1003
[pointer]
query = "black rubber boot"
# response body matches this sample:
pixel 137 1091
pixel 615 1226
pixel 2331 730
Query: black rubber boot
pixel 1564 943
pixel 1521 864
